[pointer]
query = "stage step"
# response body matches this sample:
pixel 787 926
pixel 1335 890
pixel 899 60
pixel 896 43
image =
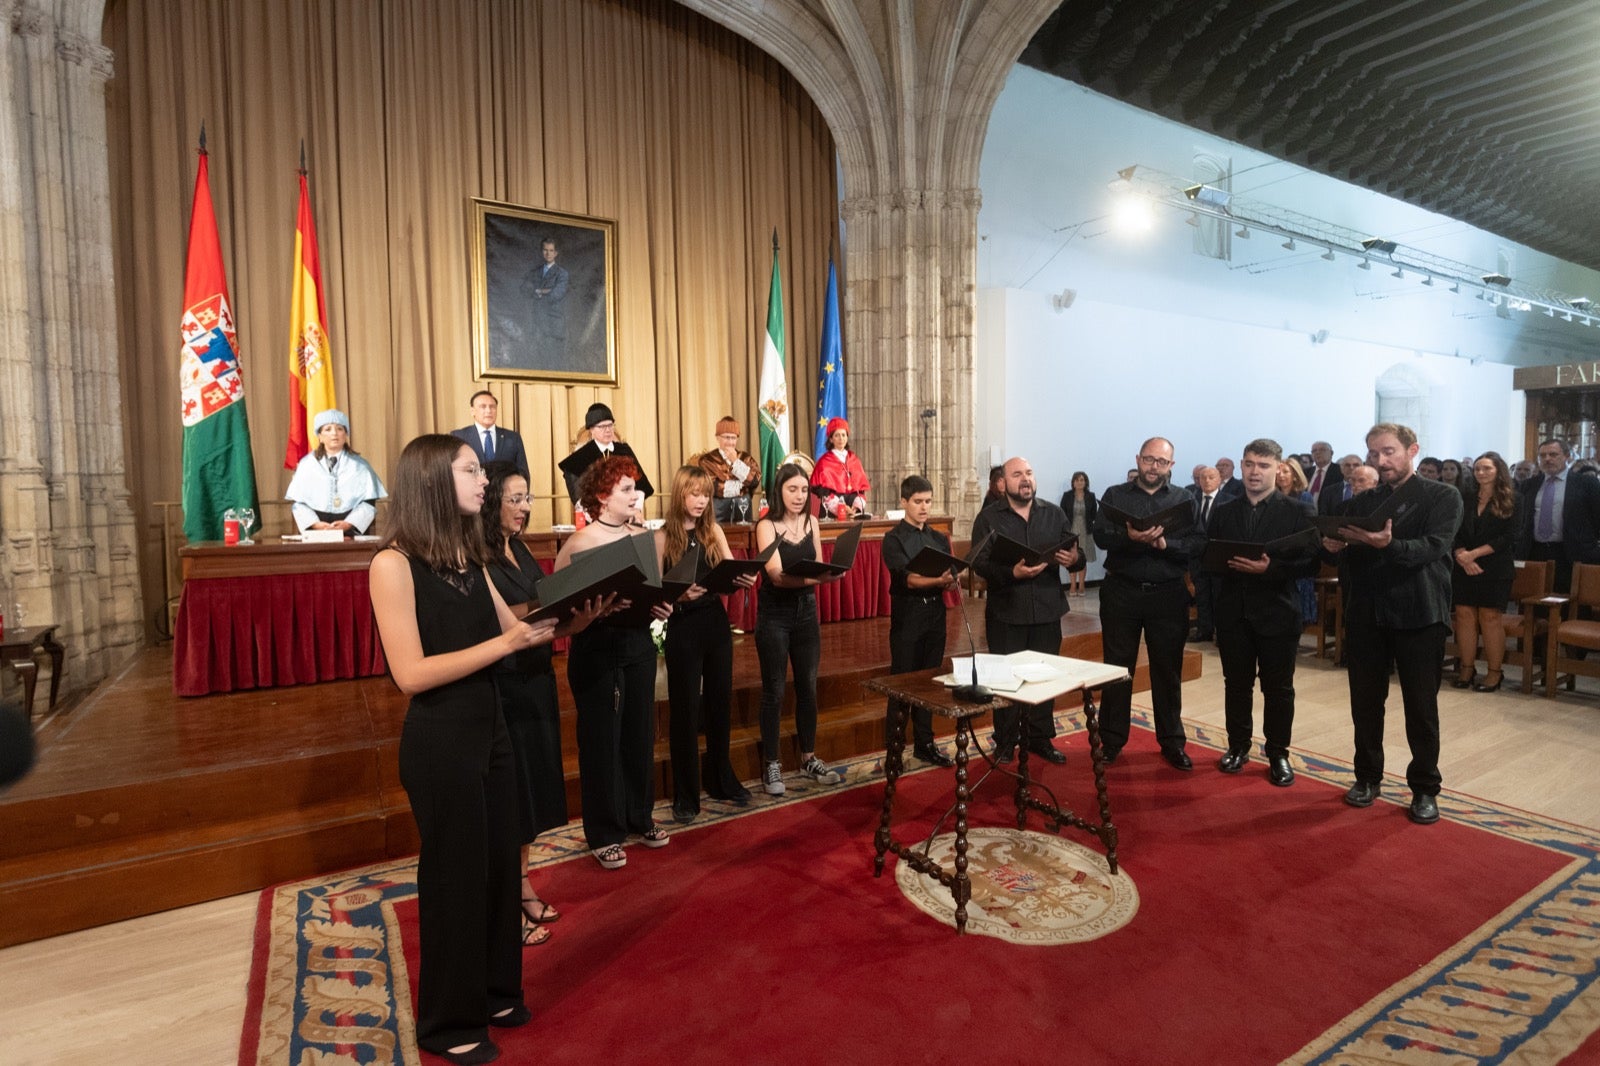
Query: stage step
pixel 143 801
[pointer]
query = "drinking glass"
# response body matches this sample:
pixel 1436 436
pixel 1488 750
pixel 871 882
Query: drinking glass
pixel 247 522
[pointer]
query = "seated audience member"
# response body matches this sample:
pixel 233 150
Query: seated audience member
pixel 489 441
pixel 1428 468
pixel 997 486
pixel 333 487
pixel 734 473
pixel 839 478
pixel 1362 478
pixel 603 442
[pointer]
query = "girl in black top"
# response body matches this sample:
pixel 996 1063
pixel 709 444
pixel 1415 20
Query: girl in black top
pixel 527 682
pixel 699 652
pixel 787 630
pixel 444 627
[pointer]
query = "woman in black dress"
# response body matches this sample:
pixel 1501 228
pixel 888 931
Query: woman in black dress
pixel 527 682
pixel 699 652
pixel 444 627
pixel 1480 581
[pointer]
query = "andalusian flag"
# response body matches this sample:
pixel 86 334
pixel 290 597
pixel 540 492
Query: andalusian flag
pixel 831 402
pixel 773 401
pixel 310 355
pixel 218 472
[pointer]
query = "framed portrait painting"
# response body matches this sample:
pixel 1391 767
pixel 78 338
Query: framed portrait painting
pixel 543 295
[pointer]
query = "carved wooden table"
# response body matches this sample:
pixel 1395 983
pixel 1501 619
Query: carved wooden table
pixel 920 690
pixel 20 650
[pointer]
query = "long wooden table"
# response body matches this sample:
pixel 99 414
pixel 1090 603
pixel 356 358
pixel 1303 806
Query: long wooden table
pixel 273 613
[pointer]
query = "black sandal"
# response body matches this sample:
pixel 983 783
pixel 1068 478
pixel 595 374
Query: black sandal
pixel 547 914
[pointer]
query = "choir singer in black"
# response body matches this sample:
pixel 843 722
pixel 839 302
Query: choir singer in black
pixel 916 606
pixel 1025 603
pixel 1257 609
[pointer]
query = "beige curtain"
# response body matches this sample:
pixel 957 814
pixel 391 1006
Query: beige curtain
pixel 694 141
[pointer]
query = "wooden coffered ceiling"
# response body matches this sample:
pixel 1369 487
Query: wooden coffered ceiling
pixel 1487 111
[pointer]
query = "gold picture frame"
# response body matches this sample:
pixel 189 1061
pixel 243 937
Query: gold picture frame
pixel 534 320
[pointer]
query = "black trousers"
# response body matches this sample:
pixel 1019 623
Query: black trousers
pixel 612 670
pixel 457 768
pixel 916 642
pixel 1246 654
pixel 1418 659
pixel 1205 600
pixel 1556 552
pixel 1161 613
pixel 787 632
pixel 699 653
pixel 1037 722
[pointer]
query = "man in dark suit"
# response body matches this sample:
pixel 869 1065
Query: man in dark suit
pixel 487 439
pixel 602 441
pixel 1323 472
pixel 1207 495
pixel 1397 612
pixel 546 286
pixel 1335 492
pixel 1231 486
pixel 1560 514
pixel 1258 611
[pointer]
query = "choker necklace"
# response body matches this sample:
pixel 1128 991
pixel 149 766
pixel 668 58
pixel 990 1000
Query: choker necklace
pixel 610 525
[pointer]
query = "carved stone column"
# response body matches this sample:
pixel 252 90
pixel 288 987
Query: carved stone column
pixel 907 87
pixel 66 527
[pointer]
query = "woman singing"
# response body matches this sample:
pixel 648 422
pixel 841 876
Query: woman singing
pixel 699 652
pixel 612 670
pixel 1480 581
pixel 444 627
pixel 527 682
pixel 787 630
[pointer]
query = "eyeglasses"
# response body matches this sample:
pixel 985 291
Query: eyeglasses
pixel 471 471
pixel 518 501
pixel 1159 464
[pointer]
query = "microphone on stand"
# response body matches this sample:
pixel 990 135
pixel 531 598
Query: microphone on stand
pixel 974 692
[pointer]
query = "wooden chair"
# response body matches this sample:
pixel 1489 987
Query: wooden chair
pixel 1330 616
pixel 1573 624
pixel 1534 581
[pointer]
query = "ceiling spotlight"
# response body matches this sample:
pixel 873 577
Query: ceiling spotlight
pixel 1580 301
pixel 1365 264
pixel 1328 255
pixel 1209 195
pixel 1126 173
pixel 1456 287
pixel 1194 220
pixel 1378 244
pixel 1398 273
pixel 1243 233
pixel 1496 279
pixel 1289 244
pixel 1427 279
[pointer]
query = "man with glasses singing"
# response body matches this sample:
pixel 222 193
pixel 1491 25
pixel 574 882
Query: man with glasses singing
pixel 1144 593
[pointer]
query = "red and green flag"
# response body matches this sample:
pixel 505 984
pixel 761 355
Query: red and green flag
pixel 218 472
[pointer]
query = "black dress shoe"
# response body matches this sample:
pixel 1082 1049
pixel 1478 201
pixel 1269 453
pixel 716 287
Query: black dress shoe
pixel 1109 755
pixel 1003 755
pixel 1424 809
pixel 1178 758
pixel 933 755
pixel 1362 793
pixel 1233 761
pixel 510 1019
pixel 1049 753
pixel 684 817
pixel 1279 772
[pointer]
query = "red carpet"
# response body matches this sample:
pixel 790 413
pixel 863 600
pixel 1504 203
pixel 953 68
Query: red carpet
pixel 1267 918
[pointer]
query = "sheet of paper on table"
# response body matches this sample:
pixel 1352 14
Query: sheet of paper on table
pixel 994 672
pixel 1055 674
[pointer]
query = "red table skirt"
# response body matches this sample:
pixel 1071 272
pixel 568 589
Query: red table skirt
pixel 274 630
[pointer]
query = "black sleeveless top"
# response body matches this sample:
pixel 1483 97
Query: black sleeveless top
pixel 789 554
pixel 700 572
pixel 517 585
pixel 454 612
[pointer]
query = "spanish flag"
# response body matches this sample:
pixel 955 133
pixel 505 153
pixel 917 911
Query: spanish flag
pixel 311 388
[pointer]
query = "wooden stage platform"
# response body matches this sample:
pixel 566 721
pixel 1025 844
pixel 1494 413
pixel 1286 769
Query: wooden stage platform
pixel 143 801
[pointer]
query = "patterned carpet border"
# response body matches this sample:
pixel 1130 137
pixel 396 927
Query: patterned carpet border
pixel 1521 988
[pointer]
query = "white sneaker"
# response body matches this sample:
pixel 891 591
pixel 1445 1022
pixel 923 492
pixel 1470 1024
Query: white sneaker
pixel 818 771
pixel 773 777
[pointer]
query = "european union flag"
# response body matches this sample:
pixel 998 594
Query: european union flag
pixel 830 389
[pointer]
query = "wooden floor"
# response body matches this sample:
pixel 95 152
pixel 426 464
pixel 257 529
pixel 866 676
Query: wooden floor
pixel 170 987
